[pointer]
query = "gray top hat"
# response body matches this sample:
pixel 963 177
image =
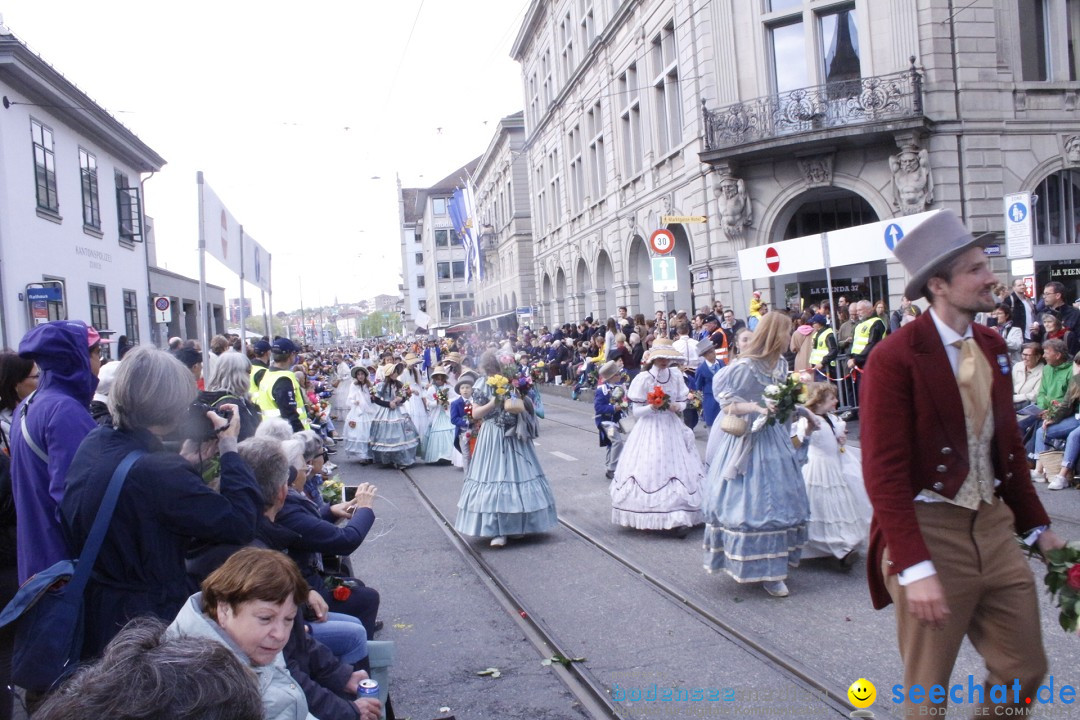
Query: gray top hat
pixel 932 245
pixel 466 377
pixel 705 345
pixel 608 369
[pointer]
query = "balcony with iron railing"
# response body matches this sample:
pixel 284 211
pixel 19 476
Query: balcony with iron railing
pixel 883 103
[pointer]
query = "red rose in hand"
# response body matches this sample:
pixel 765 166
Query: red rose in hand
pixel 1073 577
pixel 342 593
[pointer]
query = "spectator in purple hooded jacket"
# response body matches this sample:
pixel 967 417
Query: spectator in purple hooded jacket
pixel 46 430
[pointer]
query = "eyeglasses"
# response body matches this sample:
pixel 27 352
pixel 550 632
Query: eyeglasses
pixel 35 376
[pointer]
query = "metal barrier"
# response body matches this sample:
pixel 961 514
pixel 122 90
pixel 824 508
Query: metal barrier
pixel 844 380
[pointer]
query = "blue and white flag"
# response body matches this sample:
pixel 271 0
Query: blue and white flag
pixel 463 216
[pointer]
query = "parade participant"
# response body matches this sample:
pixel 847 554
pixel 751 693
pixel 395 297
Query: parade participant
pixel 461 417
pixel 657 484
pixel 249 605
pixel 609 404
pixel 46 430
pixel 947 477
pixel 824 352
pixel 414 406
pixel 505 491
pixel 438 445
pixel 755 506
pixel 703 380
pixel 394 440
pixel 358 421
pixel 279 393
pixel 839 509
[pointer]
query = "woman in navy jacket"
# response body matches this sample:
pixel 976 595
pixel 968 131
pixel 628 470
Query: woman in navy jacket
pixel 317 533
pixel 164 502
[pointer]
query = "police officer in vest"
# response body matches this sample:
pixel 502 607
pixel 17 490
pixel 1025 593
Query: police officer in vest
pixel 259 364
pixel 823 347
pixel 868 333
pixel 279 393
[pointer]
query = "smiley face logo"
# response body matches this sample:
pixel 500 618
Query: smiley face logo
pixel 862 693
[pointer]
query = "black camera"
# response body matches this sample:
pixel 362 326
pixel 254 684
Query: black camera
pixel 195 425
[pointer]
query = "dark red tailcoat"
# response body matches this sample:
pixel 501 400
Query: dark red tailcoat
pixel 913 438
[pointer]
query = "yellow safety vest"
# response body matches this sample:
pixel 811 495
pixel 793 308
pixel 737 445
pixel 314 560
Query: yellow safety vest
pixel 265 398
pixel 862 334
pixel 253 387
pixel 821 347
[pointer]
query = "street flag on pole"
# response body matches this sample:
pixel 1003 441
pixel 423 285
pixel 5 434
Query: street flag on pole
pixel 256 264
pixel 221 231
pixel 459 216
pixel 474 228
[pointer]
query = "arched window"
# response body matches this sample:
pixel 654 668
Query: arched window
pixel 1057 210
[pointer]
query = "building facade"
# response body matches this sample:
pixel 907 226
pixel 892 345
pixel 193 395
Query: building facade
pixel 432 258
pixel 502 204
pixel 612 98
pixel 779 119
pixel 71 218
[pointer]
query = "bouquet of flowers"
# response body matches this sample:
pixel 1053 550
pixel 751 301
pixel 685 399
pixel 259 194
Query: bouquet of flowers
pixel 522 383
pixel 618 399
pixel 474 426
pixel 658 399
pixel 442 398
pixel 1063 581
pixel 333 491
pixel 592 376
pixel 781 400
pixel 403 394
pixel 693 401
pixel 538 371
pixel 499 385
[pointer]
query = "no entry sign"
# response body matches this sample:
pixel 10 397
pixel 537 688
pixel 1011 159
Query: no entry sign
pixel 772 259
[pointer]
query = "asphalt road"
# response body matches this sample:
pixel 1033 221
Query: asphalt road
pixel 448 625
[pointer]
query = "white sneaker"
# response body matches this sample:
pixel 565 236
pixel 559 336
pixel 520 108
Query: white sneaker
pixel 498 541
pixel 1038 477
pixel 1059 483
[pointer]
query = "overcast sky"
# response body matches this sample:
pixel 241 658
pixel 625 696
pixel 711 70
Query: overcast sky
pixel 291 110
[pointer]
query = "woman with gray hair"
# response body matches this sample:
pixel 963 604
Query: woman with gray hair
pixel 229 382
pixel 164 502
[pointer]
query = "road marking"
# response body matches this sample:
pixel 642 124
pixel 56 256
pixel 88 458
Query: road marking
pixel 536 443
pixel 564 456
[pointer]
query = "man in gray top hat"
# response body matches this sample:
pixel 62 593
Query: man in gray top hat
pixel 948 478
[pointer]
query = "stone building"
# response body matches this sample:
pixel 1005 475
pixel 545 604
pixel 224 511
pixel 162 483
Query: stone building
pixel 502 204
pixel 614 130
pixel 782 119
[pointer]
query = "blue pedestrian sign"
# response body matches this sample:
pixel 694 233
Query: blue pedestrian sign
pixel 1019 230
pixel 1017 212
pixel 893 235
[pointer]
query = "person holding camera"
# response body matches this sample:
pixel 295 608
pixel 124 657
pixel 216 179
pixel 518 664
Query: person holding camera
pixel 164 502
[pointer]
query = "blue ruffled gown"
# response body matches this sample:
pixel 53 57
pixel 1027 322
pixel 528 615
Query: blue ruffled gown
pixel 439 442
pixel 756 507
pixel 505 490
pixel 394 439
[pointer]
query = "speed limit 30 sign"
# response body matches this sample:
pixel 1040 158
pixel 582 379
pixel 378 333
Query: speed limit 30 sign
pixel 662 242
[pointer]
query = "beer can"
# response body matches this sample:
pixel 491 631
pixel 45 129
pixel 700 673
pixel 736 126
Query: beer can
pixel 368 689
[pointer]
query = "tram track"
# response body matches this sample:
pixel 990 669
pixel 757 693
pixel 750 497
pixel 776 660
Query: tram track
pixel 593 695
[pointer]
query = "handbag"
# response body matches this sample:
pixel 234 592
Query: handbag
pixel 733 424
pixel 49 605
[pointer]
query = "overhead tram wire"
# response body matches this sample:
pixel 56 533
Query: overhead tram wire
pixel 404 54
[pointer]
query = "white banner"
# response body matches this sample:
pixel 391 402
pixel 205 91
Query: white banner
pixel 781 258
pixel 220 229
pixel 256 264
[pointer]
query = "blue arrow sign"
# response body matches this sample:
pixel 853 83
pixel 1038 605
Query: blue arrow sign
pixel 893 234
pixel 1017 212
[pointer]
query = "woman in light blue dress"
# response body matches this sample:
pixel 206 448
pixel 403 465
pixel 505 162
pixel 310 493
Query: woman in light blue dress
pixel 756 508
pixel 505 491
pixel 394 439
pixel 438 445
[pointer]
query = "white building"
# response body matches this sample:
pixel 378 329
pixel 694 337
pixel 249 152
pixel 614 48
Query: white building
pixel 502 204
pixel 432 258
pixel 71 222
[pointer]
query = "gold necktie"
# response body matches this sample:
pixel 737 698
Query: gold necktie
pixel 974 378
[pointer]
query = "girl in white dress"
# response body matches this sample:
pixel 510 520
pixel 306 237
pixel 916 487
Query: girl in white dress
pixel 839 507
pixel 414 407
pixel 439 441
pixel 658 480
pixel 358 421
